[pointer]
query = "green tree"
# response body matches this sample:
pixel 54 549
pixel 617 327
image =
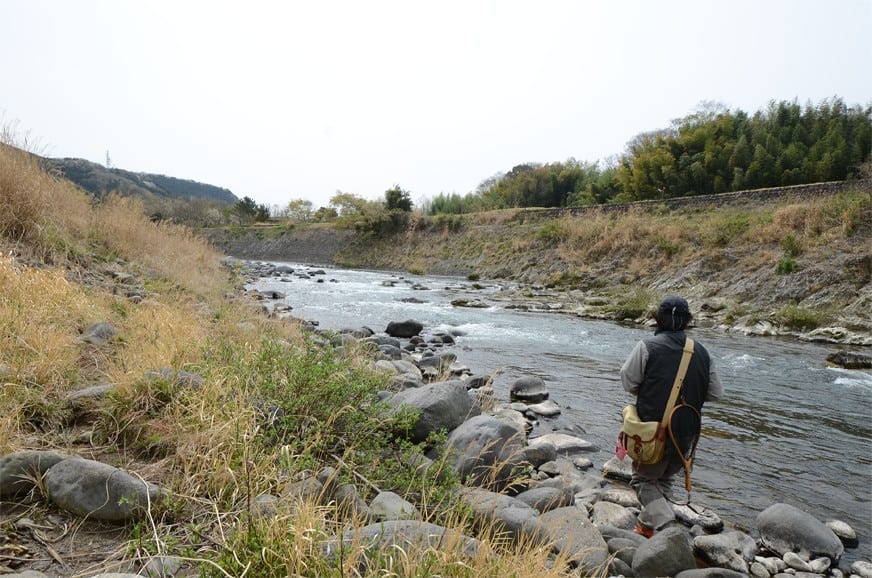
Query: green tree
pixel 325 214
pixel 247 209
pixel 348 204
pixel 398 199
pixel 300 210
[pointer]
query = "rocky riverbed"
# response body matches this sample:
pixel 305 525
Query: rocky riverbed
pixel 559 496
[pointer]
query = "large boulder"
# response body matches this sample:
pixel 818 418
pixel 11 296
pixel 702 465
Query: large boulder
pixel 733 550
pixel 486 451
pixel 850 360
pixel 406 329
pixel 528 389
pixel 98 491
pixel 570 532
pixel 784 528
pixel 443 405
pixel 19 471
pixel 502 512
pixel 666 554
pixel 546 498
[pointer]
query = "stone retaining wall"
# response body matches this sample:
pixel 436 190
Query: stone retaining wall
pixel 797 192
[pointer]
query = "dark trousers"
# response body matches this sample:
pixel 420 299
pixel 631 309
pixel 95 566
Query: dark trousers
pixel 653 484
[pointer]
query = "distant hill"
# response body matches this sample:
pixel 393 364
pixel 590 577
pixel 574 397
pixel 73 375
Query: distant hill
pixel 99 181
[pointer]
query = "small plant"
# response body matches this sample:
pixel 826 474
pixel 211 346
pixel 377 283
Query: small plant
pixel 786 266
pixel 666 246
pixel 791 245
pixel 550 232
pixel 633 305
pixel 473 277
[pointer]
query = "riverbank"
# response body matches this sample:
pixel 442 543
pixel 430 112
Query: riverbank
pixel 784 267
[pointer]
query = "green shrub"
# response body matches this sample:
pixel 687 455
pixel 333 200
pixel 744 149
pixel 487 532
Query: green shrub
pixel 800 318
pixel 791 245
pixel 550 232
pixel 633 305
pixel 786 266
pixel 666 246
pixel 473 277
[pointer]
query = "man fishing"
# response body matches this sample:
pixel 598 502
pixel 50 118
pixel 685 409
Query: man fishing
pixel 649 373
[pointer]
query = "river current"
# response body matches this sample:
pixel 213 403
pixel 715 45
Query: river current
pixel 790 429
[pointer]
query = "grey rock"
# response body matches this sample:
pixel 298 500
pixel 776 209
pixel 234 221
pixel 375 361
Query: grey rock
pixel 570 532
pixel 264 506
pixel 19 470
pixel 773 565
pixel 613 515
pixel 401 534
pixel 758 570
pixel 544 499
pixel 784 528
pixel 844 532
pixel 611 533
pixel 820 565
pixel 162 567
pixel 862 568
pixel 563 442
pixel 618 567
pixel 710 573
pixel 547 408
pixel 390 506
pixel 180 378
pixel 529 389
pixel 306 490
pixel 351 504
pixel 539 454
pixel 505 513
pixel 665 554
pixel 733 550
pixel 98 491
pixel 81 397
pixel 443 405
pixel 478 380
pixel 850 360
pixel 623 549
pixel 582 463
pixel 404 329
pixel 697 515
pixel 486 451
pixel 98 333
pixel 795 561
pixel 616 469
pixel 623 496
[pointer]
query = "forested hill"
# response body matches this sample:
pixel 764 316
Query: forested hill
pixel 99 181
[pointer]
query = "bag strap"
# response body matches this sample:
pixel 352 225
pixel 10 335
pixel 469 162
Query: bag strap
pixel 679 380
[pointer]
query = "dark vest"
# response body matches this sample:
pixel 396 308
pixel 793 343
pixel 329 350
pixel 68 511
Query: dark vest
pixel 664 356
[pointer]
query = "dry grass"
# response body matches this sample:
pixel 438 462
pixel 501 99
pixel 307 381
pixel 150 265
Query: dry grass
pixel 171 250
pixel 685 235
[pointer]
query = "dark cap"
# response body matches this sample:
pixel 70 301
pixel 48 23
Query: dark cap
pixel 675 306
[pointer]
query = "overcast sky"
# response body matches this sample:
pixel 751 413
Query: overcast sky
pixel 285 100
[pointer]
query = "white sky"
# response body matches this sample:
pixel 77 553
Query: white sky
pixel 284 100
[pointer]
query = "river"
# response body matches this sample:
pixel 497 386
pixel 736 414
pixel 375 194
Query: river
pixel 790 429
